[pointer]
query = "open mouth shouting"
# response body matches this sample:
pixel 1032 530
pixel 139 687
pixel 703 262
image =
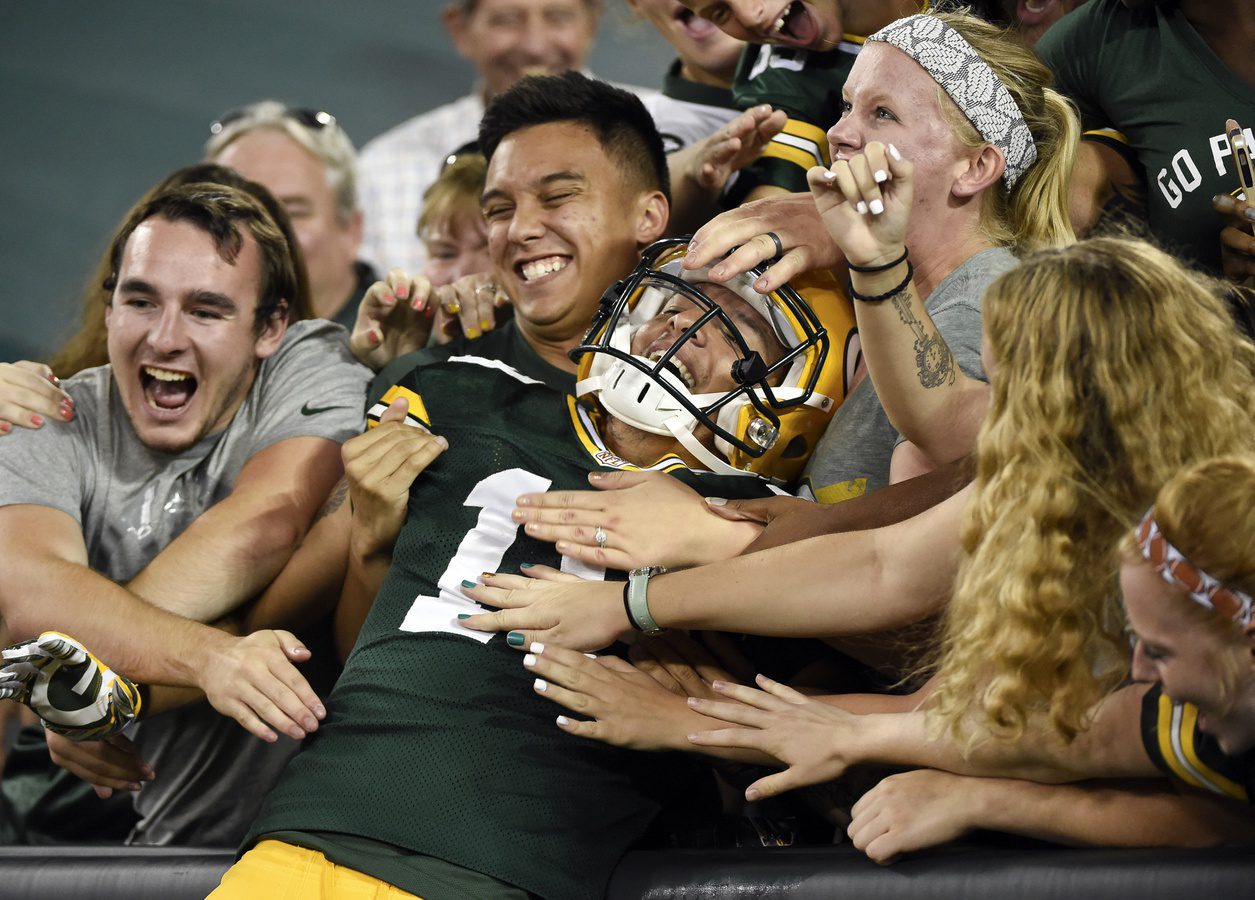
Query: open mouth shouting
pixel 796 26
pixel 535 270
pixel 167 392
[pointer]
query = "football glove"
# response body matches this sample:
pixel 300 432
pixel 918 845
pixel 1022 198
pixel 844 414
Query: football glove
pixel 71 691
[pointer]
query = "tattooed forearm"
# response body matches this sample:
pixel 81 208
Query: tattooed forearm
pixel 933 360
pixel 336 500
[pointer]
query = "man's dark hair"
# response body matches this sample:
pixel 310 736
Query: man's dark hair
pixel 219 211
pixel 623 126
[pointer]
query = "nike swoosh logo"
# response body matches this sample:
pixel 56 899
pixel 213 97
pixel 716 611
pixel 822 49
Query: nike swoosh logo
pixel 308 410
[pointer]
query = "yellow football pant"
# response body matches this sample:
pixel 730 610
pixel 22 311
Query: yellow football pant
pixel 279 871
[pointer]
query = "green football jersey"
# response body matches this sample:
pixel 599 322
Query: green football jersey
pixel 434 740
pixel 1148 86
pixel 805 84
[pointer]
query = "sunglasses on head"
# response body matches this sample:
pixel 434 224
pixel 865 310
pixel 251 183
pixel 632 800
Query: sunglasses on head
pixel 315 119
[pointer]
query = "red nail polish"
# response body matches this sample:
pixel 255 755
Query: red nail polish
pixel 4 427
pixel 67 413
pixel 37 420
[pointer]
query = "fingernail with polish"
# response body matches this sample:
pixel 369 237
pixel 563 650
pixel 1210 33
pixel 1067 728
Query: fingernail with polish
pixel 717 501
pixel 876 207
pixel 4 427
pixel 540 685
pixel 529 660
pixel 37 420
pixel 830 177
pixel 515 639
pixel 537 647
pixel 563 721
pixel 527 565
pixel 468 584
pixel 464 615
pixel 485 324
pixel 880 175
pixel 893 151
pixel 860 208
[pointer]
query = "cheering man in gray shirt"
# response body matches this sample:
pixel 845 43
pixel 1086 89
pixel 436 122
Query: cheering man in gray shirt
pixel 194 465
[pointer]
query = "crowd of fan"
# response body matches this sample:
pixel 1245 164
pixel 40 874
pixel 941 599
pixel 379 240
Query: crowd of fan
pixel 935 273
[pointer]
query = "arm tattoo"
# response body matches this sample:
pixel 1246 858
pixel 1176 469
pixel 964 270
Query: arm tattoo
pixel 336 500
pixel 933 359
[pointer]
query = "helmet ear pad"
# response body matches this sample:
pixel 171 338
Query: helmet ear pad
pixel 766 424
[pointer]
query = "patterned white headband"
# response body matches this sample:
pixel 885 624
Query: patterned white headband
pixel 1178 571
pixel 971 83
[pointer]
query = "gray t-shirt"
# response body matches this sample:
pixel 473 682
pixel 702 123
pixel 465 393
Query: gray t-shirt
pixel 132 501
pixel 853 456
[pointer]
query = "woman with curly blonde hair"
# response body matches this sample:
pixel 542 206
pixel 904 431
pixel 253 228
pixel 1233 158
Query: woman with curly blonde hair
pixel 1114 368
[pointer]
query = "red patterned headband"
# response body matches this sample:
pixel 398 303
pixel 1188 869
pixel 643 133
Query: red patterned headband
pixel 1179 572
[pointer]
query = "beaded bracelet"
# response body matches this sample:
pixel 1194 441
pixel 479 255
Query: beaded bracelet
pixel 872 269
pixel 877 298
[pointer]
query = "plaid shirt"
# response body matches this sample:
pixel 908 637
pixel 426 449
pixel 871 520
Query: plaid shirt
pixel 393 171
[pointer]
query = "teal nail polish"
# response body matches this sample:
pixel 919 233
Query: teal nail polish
pixel 468 584
pixel 515 639
pixel 464 615
pixel 526 565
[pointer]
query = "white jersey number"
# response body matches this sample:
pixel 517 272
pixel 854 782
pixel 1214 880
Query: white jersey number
pixel 482 550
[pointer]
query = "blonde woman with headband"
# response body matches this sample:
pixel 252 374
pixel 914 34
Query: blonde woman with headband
pixel 1188 580
pixel 978 173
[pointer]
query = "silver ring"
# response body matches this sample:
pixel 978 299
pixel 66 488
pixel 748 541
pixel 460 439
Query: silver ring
pixel 775 239
pixel 600 537
pixel 486 286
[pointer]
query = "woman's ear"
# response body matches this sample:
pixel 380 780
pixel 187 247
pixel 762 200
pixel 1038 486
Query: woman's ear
pixel 984 168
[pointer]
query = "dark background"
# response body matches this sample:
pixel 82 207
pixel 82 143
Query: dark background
pixel 99 100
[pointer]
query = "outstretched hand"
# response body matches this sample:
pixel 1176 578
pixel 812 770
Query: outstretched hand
pixel 913 810
pixel 394 318
pixel 108 765
pixel 469 306
pixel 625 512
pixel 736 145
pixel 623 706
pixel 550 607
pixel 253 680
pixel 741 235
pixel 806 735
pixel 30 395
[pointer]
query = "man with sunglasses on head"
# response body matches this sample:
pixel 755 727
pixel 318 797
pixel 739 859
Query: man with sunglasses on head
pixel 307 161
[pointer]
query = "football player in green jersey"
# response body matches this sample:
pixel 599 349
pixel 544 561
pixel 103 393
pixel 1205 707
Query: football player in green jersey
pixel 437 765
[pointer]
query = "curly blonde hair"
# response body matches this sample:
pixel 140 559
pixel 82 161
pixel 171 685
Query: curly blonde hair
pixel 1114 368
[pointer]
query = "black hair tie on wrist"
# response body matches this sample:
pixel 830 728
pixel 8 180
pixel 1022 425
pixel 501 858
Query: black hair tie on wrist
pixel 872 269
pixel 877 298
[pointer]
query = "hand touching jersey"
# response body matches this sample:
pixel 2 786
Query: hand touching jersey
pixel 380 466
pixel 645 519
pixel 548 606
